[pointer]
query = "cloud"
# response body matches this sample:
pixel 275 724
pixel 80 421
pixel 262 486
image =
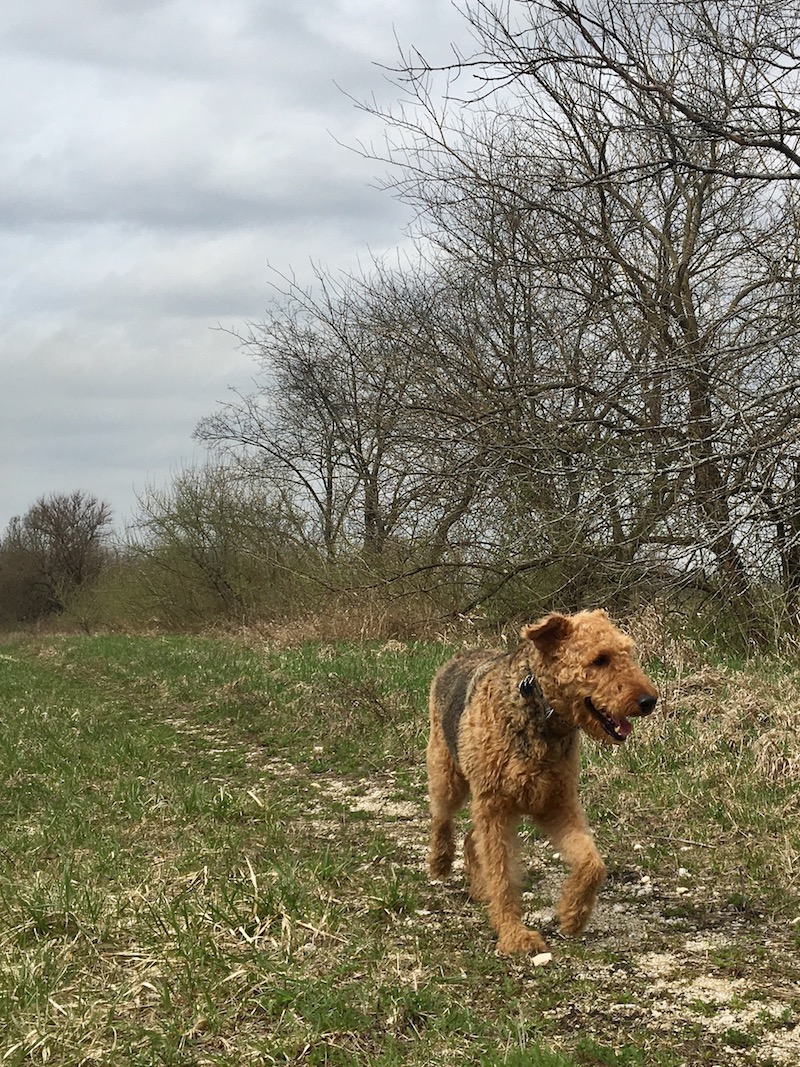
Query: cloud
pixel 158 158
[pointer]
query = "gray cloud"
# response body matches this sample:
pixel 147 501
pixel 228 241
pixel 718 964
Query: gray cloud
pixel 157 157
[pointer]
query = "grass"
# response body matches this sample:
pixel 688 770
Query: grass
pixel 211 853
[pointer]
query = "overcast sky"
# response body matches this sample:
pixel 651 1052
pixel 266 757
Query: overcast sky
pixel 158 157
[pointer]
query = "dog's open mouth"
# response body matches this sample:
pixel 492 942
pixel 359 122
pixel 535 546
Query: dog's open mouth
pixel 617 731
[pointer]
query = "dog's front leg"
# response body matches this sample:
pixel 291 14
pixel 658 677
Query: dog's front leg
pixel 493 868
pixel 570 835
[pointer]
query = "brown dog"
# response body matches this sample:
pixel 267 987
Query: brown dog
pixel 506 729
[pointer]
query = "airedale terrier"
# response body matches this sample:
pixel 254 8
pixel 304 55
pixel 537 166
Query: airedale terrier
pixel 506 729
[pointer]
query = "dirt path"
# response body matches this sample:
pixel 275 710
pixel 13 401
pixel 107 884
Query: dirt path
pixel 662 958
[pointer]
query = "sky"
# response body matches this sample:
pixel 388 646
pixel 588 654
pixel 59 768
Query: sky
pixel 159 160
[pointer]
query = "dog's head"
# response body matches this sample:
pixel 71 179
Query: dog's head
pixel 585 667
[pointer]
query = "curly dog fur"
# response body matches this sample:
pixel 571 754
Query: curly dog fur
pixel 506 729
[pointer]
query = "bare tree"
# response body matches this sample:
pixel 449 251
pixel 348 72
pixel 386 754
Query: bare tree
pixel 59 546
pixel 661 251
pixel 715 73
pixel 335 420
pixel 588 382
pixel 211 545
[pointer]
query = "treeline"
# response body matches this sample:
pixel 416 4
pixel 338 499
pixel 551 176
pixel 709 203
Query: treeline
pixel 205 551
pixel 585 386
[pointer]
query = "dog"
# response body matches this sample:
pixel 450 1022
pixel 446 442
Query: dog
pixel 506 730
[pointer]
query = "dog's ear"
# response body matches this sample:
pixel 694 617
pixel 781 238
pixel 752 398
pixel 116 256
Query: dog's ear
pixel 548 633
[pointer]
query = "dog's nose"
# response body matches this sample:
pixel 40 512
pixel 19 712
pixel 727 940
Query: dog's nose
pixel 647 703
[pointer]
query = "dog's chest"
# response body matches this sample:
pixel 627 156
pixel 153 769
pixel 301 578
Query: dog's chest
pixel 534 774
pixel 506 757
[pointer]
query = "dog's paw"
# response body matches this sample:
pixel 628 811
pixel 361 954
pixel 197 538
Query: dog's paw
pixel 572 920
pixel 519 939
pixel 439 867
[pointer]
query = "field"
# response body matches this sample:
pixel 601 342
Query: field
pixel 211 852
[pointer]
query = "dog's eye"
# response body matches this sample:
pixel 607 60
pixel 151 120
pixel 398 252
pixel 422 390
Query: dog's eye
pixel 601 661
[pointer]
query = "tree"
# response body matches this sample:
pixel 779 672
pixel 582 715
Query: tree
pixel 336 421
pixel 211 546
pixel 719 73
pixel 660 247
pixel 586 386
pixel 56 549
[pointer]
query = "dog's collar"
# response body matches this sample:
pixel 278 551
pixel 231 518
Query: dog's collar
pixel 531 691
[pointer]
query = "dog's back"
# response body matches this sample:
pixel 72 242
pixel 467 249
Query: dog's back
pixel 452 687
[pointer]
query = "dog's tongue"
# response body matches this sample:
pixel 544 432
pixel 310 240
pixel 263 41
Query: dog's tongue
pixel 624 727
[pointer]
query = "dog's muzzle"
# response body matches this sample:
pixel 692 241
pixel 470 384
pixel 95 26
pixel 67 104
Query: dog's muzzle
pixel 621 731
pixel 647 703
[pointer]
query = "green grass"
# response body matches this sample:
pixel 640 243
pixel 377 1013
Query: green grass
pixel 211 853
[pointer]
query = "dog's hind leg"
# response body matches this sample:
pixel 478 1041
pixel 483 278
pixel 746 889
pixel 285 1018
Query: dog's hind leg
pixel 495 862
pixel 447 791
